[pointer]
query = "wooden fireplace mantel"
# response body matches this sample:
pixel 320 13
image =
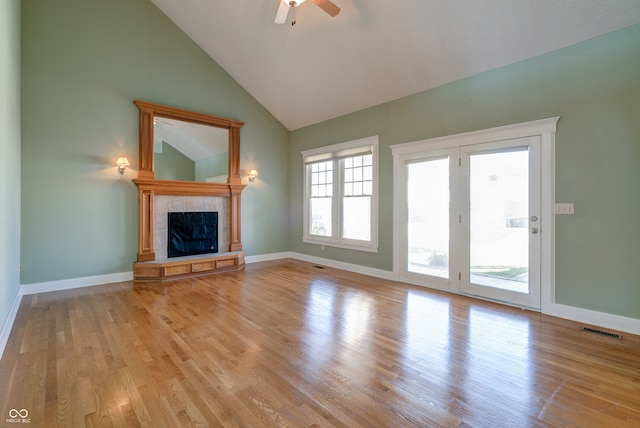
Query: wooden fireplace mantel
pixel 149 187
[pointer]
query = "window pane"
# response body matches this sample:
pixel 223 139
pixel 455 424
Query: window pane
pixel 361 177
pixel 320 215
pixel 357 174
pixel 321 179
pixel 428 217
pixel 367 173
pixel 348 174
pixel 348 189
pixel 356 218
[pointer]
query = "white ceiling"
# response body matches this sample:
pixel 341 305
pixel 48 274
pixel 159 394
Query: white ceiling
pixel 380 50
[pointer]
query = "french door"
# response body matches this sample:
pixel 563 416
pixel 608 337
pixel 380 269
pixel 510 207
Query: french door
pixel 473 219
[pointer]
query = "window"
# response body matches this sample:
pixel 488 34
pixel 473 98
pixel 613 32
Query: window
pixel 340 194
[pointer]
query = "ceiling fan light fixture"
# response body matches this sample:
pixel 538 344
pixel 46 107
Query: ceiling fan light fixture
pixel 283 9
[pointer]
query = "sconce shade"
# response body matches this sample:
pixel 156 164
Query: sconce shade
pixel 252 175
pixel 122 163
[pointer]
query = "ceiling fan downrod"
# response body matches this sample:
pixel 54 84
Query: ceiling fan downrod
pixel 292 5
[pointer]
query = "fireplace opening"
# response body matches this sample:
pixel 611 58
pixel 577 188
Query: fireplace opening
pixel 192 233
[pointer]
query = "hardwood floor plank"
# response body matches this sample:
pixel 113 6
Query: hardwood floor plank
pixel 133 396
pixel 284 343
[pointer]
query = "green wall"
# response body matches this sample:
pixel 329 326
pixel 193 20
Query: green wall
pixel 9 155
pixel 171 164
pixel 595 88
pixel 83 64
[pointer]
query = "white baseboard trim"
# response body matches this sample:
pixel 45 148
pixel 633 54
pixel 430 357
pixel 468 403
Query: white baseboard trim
pixel 593 318
pixel 379 273
pixel 68 284
pixel 267 257
pixel 8 324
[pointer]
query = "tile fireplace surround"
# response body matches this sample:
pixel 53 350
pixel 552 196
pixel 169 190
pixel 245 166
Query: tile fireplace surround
pixel 165 204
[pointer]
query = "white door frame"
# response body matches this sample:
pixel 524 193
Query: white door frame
pixel 446 284
pixel 545 129
pixel 531 299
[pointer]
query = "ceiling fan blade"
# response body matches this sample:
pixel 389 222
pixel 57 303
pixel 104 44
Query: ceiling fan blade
pixel 281 14
pixel 327 6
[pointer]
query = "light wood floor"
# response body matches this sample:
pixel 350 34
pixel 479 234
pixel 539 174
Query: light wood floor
pixel 285 343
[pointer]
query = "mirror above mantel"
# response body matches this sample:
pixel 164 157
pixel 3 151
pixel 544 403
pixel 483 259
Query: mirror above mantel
pixel 191 124
pixel 217 180
pixel 189 151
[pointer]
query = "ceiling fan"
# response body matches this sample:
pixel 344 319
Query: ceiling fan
pixel 285 5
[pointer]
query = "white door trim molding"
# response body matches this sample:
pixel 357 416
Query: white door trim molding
pixel 508 132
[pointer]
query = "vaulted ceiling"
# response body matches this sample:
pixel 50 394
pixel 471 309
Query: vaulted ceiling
pixel 375 51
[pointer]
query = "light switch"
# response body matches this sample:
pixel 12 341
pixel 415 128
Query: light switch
pixel 564 208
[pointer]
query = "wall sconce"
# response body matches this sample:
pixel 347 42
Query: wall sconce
pixel 252 176
pixel 122 163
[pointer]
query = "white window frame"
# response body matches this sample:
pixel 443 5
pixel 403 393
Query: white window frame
pixel 337 152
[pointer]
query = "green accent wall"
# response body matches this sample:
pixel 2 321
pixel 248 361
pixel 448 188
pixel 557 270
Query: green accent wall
pixel 173 165
pixel 84 62
pixel 9 156
pixel 594 87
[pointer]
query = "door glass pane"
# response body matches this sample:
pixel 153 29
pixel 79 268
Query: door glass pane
pixel 428 217
pixel 499 212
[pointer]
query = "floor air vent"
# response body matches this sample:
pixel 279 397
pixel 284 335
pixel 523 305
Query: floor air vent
pixel 604 333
